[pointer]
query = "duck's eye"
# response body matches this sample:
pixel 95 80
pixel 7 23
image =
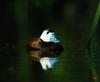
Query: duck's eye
pixel 48 32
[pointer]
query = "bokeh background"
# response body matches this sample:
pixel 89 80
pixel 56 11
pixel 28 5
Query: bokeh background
pixel 74 21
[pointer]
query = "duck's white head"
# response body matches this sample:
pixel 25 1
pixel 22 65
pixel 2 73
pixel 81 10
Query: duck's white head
pixel 49 36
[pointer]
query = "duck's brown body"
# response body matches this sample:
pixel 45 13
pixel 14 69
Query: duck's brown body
pixel 37 49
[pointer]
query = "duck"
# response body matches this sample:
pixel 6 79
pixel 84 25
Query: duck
pixel 45 49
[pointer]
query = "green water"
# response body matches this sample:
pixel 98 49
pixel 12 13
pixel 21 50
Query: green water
pixel 31 17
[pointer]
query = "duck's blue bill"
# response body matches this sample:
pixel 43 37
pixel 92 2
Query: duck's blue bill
pixel 54 38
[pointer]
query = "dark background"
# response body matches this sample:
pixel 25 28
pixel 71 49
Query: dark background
pixel 72 20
